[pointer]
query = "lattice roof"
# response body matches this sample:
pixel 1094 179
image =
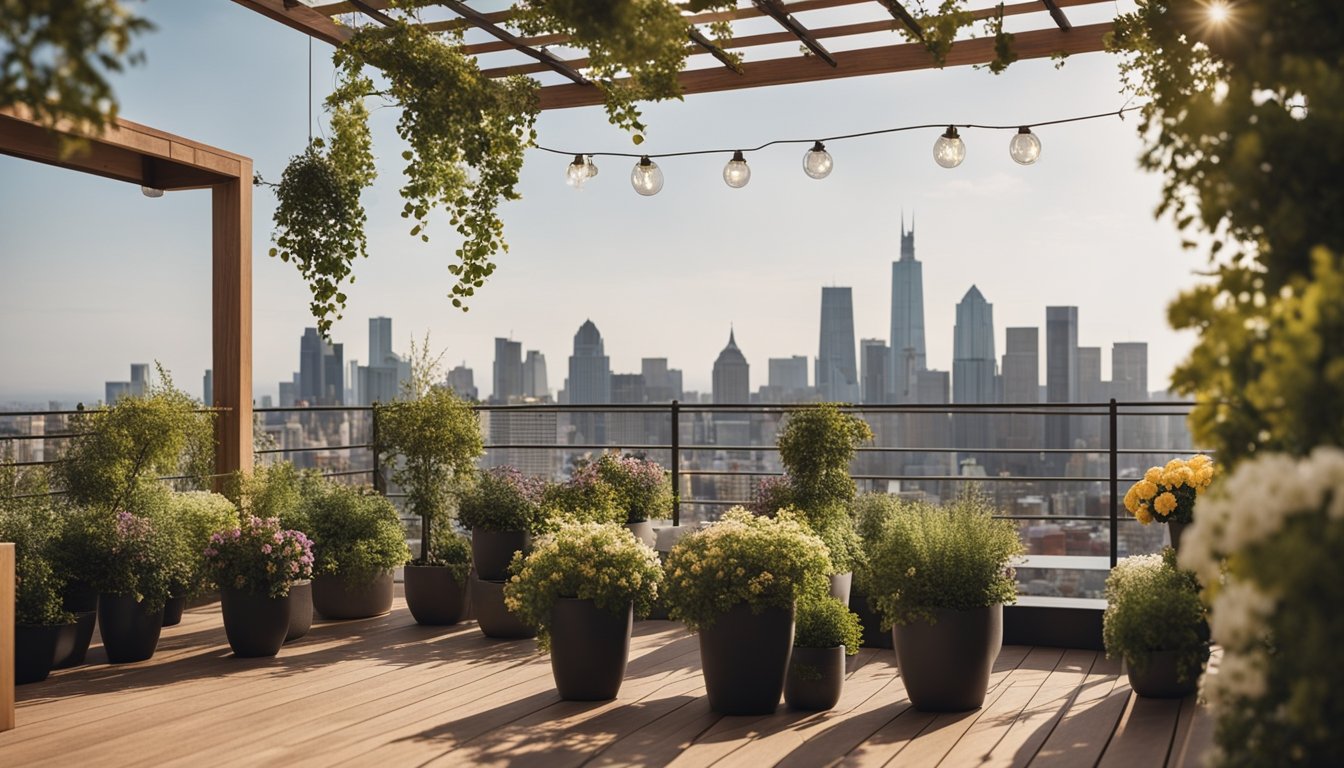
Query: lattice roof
pixel 780 42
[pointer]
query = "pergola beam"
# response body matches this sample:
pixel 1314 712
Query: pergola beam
pixel 775 10
pixel 477 19
pixel 302 18
pixel 712 49
pixel 902 15
pixel 1057 14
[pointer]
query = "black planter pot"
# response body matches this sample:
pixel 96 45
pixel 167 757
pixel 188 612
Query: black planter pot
pixel 840 586
pixel 256 625
pixel 1158 679
pixel 130 632
pixel 300 609
pixel 172 610
pixel 643 530
pixel 589 649
pixel 816 676
pixel 338 597
pixel 434 596
pixel 36 647
pixel 1176 530
pixel 494 620
pixel 873 636
pixel 72 653
pixel 745 658
pixel 946 665
pixel 79 596
pixel 492 551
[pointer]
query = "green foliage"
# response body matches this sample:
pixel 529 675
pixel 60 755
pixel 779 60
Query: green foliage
pixel 870 512
pixel 123 554
pixel 824 622
pixel 503 499
pixel 1151 605
pixel 33 525
pixel 258 557
pixel 584 498
pixel 278 491
pixel 451 550
pixel 588 561
pixel 55 55
pixel 356 533
pixel 437 438
pixel 816 446
pixel 956 556
pixel 187 520
pixel 763 562
pixel 642 486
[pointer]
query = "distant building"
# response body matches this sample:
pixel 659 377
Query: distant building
pixel 589 383
pixel 139 379
pixel 115 390
pixel 874 360
pixel 534 376
pixel 208 388
pixel 1090 428
pixel 974 372
pixel 381 380
pixel 732 374
pixel 461 380
pixel 837 376
pixel 507 383
pixel 661 384
pixel 1061 377
pixel 907 321
pixel 321 370
pixel 1022 386
pixel 787 379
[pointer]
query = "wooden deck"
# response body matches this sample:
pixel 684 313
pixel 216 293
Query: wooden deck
pixel 387 692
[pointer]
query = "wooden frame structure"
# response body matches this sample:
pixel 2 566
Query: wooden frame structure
pixel 151 158
pixel 1052 34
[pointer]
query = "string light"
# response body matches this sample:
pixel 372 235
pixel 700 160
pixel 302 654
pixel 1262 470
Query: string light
pixel 817 163
pixel 949 150
pixel 151 191
pixel 646 177
pixel 1024 147
pixel 736 174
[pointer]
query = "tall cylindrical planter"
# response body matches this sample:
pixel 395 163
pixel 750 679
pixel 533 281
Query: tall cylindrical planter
pixel 589 649
pixel 172 610
pixel 1158 678
pixel 300 609
pixel 840 586
pixel 1176 530
pixel 36 647
pixel 945 665
pixel 493 618
pixel 81 599
pixel 873 636
pixel 255 624
pixel 338 596
pixel 129 630
pixel 745 658
pixel 816 677
pixel 492 551
pixel 643 530
pixel 434 595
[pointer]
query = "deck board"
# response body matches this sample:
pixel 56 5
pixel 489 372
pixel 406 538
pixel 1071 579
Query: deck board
pixel 385 691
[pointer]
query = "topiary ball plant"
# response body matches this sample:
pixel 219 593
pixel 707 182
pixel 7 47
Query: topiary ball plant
pixel 824 622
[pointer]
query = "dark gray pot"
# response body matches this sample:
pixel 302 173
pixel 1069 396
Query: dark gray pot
pixel 255 625
pixel 36 647
pixel 300 609
pixel 434 596
pixel 816 677
pixel 492 551
pixel 840 586
pixel 338 597
pixel 130 632
pixel 172 610
pixel 946 665
pixel 745 658
pixel 72 653
pixel 1176 530
pixel 643 531
pixel 1158 680
pixel 589 649
pixel 487 600
pixel 873 636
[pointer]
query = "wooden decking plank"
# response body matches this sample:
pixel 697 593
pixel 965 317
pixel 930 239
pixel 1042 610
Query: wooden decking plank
pixel 1081 735
pixel 662 740
pixel 996 720
pixel 1143 735
pixel 1032 726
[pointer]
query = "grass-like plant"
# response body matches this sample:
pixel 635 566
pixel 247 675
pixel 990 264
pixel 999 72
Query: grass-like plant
pixel 1151 605
pixel 356 533
pixel 824 622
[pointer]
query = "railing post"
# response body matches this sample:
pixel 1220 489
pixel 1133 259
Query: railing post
pixel 676 463
pixel 378 484
pixel 1115 484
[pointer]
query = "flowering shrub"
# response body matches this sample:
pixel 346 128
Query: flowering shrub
pixel 503 499
pixel 771 495
pixel 824 622
pixel 641 485
pixel 1154 606
pixel 588 561
pixel 132 557
pixel 1267 546
pixel 1167 494
pixel 760 561
pixel 259 557
pixel 586 498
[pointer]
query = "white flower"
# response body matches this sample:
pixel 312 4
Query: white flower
pixel 1238 614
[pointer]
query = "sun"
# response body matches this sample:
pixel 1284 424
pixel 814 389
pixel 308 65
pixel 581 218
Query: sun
pixel 1218 12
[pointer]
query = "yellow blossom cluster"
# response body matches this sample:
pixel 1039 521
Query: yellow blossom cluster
pixel 1167 494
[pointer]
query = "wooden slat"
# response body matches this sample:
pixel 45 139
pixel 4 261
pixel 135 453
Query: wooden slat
pixel 1057 14
pixel 1144 734
pixel 1081 734
pixel 480 21
pixel 302 18
pixel 775 10
pixel 7 607
pixel 231 293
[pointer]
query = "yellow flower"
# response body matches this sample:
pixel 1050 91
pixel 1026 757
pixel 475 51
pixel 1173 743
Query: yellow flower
pixel 1164 504
pixel 1131 499
pixel 1183 476
pixel 1145 489
pixel 1143 515
pixel 1153 475
pixel 1204 476
pixel 1199 461
pixel 1173 464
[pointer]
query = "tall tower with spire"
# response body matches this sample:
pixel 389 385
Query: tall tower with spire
pixel 907 320
pixel 732 380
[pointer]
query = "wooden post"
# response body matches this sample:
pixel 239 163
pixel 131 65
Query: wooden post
pixel 6 636
pixel 232 298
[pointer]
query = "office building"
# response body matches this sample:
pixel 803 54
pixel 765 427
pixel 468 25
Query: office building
pixel 837 377
pixel 907 321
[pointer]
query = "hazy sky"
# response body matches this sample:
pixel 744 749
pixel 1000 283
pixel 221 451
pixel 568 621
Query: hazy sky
pixel 94 276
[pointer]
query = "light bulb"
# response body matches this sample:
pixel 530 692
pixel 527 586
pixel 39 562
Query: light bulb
pixel 817 163
pixel 151 191
pixel 646 177
pixel 1024 147
pixel 577 172
pixel 949 150
pixel 590 165
pixel 736 174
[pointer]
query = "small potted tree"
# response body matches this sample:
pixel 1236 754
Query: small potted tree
pixel 940 577
pixel 357 542
pixel 503 511
pixel 254 565
pixel 736 583
pixel 1156 622
pixel 580 589
pixel 642 490
pixel 43 628
pixel 827 631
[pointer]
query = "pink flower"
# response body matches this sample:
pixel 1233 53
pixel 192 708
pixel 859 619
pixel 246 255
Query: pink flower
pixel 266 549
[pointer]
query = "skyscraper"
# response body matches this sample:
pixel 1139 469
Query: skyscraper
pixel 788 376
pixel 534 375
pixel 507 384
pixel 874 361
pixel 1087 427
pixel 1061 376
pixel 461 380
pixel 837 374
pixel 139 379
pixel 1129 370
pixel 732 375
pixel 1021 386
pixel 974 368
pixel 589 382
pixel 208 388
pixel 907 321
pixel 380 381
pixel 658 382
pixel 380 340
pixel 321 370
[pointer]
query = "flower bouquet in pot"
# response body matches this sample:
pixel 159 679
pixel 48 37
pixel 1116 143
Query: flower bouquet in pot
pixel 41 623
pixel 642 489
pixel 1167 494
pixel 133 567
pixel 580 588
pixel 255 565
pixel 503 510
pixel 826 631
pixel 736 582
pixel 1156 622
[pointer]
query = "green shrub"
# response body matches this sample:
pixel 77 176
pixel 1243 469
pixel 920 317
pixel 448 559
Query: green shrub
pixel 188 519
pixel 816 445
pixel 503 499
pixel 870 512
pixel 824 622
pixel 1151 605
pixel 642 486
pixel 356 533
pixel 128 554
pixel 33 526
pixel 451 550
pixel 278 491
pixel 585 498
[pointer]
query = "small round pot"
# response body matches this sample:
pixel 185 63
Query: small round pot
pixel 256 625
pixel 873 636
pixel 336 596
pixel 300 609
pixel 745 658
pixel 495 620
pixel 72 653
pixel 172 610
pixel 1176 530
pixel 816 677
pixel 643 530
pixel 492 551
pixel 36 647
pixel 1158 679
pixel 945 665
pixel 129 630
pixel 840 586
pixel 589 649
pixel 434 596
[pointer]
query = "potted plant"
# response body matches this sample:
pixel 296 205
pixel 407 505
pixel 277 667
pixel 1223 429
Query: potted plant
pixel 279 490
pixel 870 512
pixel 254 565
pixel 940 577
pixel 826 631
pixel 442 593
pixel 133 573
pixel 642 489
pixel 580 589
pixel 357 542
pixel 431 438
pixel 502 510
pixel 735 583
pixel 188 518
pixel 1167 494
pixel 1156 622
pixel 43 628
pixel 584 498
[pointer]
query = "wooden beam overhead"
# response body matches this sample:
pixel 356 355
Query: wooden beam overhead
pixel 545 57
pixel 302 18
pixel 775 10
pixel 899 13
pixel 373 13
pixel 1057 14
pixel 713 49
